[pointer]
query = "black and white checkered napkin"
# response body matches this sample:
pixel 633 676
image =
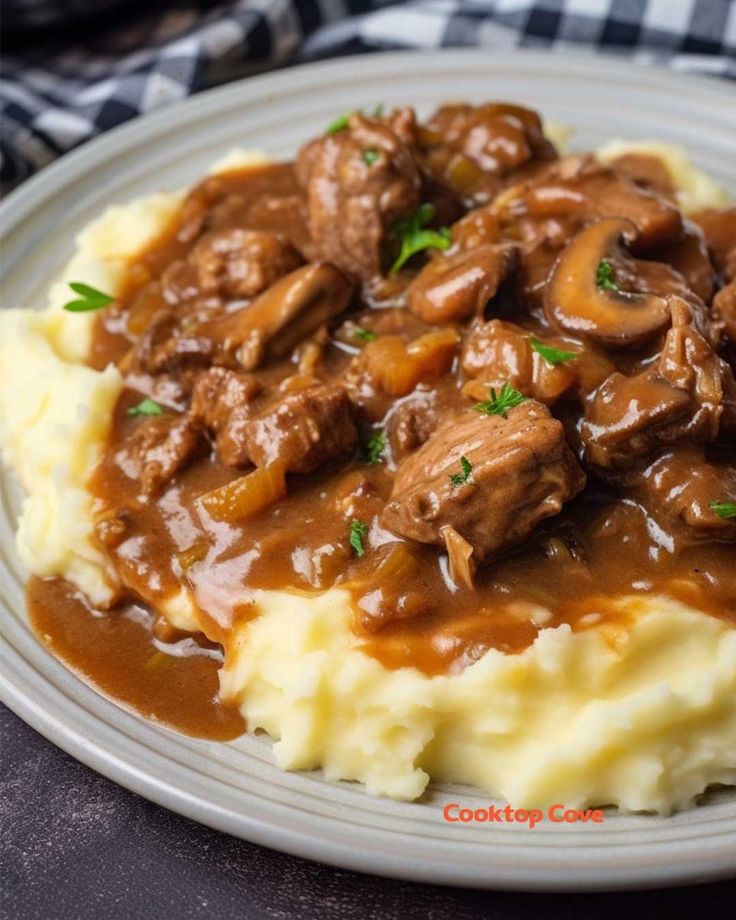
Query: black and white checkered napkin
pixel 64 86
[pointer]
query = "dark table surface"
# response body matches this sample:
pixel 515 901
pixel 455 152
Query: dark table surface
pixel 75 845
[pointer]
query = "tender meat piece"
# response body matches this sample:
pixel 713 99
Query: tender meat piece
pixel 689 258
pixel 724 312
pixel 236 264
pixel 303 430
pixel 270 326
pixel 689 362
pixel 450 288
pixel 164 348
pixel 679 486
pixel 522 472
pixel 498 352
pixel 222 400
pixel 630 417
pixel 353 200
pixel 577 190
pixel 159 448
pixel 719 229
pixel 410 422
pixel 474 150
pixel 497 136
pixel 681 400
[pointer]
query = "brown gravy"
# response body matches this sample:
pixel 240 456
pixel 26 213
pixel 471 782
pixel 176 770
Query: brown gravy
pixel 115 651
pixel 576 566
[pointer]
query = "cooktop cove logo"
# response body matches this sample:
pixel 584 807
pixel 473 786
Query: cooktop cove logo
pixel 455 813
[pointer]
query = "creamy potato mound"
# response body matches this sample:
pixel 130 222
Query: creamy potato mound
pixel 644 718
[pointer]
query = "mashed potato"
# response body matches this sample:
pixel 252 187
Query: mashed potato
pixel 55 412
pixel 646 723
pixel 643 722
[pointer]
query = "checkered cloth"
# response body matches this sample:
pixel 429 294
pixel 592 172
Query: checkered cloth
pixel 59 92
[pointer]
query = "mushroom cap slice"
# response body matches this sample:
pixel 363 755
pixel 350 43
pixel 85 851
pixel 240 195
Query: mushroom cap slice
pixel 284 314
pixel 576 303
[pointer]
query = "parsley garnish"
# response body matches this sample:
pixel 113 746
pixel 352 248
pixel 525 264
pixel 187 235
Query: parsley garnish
pixel 365 335
pixel 415 237
pixel 375 447
pixel 369 156
pixel 146 406
pixel 90 298
pixel 500 403
pixel 358 531
pixel 552 355
pixel 604 276
pixel 724 509
pixel 341 122
pixel 457 479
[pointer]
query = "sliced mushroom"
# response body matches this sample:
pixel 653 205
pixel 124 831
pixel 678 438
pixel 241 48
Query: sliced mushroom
pixel 292 308
pixel 450 288
pixel 575 302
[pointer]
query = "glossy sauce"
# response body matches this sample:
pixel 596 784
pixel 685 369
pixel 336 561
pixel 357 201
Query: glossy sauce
pixel 574 570
pixel 172 683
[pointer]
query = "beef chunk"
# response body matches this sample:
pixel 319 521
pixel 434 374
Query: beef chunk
pixel 410 422
pixel 159 448
pixel 681 400
pixel 353 200
pixel 223 400
pixel 724 312
pixel 303 430
pixel 498 137
pixel 679 486
pixel 719 229
pixel 689 257
pixel 235 264
pixel 522 472
pixel 629 417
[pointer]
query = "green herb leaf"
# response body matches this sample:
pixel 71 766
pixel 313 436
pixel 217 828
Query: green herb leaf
pixel 365 335
pixel 414 236
pixel 552 355
pixel 369 156
pixel 358 531
pixel 339 124
pixel 604 276
pixel 375 448
pixel 90 298
pixel 724 510
pixel 457 479
pixel 500 403
pixel 146 406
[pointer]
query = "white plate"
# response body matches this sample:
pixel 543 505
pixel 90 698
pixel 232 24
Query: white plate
pixel 235 787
